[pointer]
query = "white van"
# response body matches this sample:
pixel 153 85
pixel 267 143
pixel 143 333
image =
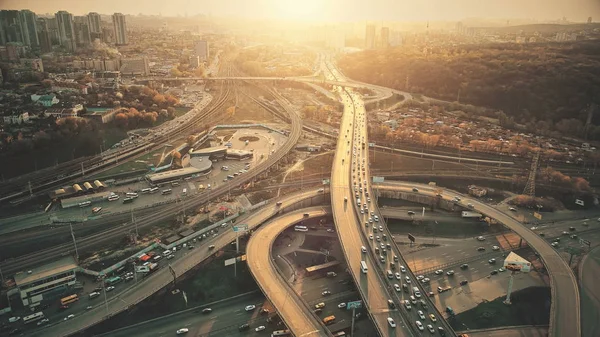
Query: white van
pixel 184 191
pixel 166 252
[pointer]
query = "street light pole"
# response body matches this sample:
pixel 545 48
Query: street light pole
pixel 74 242
pixel 104 290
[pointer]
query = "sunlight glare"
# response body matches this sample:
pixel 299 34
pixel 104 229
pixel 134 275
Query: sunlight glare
pixel 299 10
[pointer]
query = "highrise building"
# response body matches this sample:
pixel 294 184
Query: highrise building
pixel 385 37
pixel 28 21
pixel 370 37
pixel 201 50
pixel 94 21
pixel 10 27
pixel 120 28
pixel 82 31
pixel 395 38
pixel 66 29
pixel 44 35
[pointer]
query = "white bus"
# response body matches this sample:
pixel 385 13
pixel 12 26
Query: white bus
pixel 132 195
pixel 146 190
pixel 281 333
pixel 154 189
pixel 363 267
pixel 299 228
pixel 85 204
pixel 167 191
pixel 113 197
pixel 33 317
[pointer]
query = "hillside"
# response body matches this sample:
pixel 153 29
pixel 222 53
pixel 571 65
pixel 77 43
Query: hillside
pixel 548 87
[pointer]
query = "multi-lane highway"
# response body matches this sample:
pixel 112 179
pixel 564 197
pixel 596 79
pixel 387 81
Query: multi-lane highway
pixel 371 286
pixel 565 309
pixel 291 308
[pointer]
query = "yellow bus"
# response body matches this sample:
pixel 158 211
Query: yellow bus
pixel 69 299
pixel 329 319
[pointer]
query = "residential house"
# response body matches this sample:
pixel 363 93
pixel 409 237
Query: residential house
pixel 16 118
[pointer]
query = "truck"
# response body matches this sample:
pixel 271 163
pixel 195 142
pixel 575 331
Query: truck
pixel 467 214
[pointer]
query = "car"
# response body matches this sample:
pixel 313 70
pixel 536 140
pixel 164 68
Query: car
pixel 378 238
pixel 431 294
pixel 391 304
pixel 264 311
pixel 250 307
pixel 206 310
pixel 480 238
pixel 111 288
pixel 494 272
pixel 450 272
pixel 480 249
pixel 169 257
pixel 362 211
pixel 464 266
pixel 244 327
pixel 370 236
pixel 492 261
pixel 415 189
pixel 45 320
pixel 318 311
pixel 432 318
pixel 402 269
pixel 182 331
pixel 326 293
pixel 397 276
pixel 407 279
pixel 495 248
pixel 381 228
pixel 407 305
pixel 397 287
pixel 439 272
pixel 574 236
pixel 260 328
pixel 554 244
pixel 565 233
pixel 421 314
pixel 512 209
pixel 463 282
pixel 419 325
pixel 502 269
pixel 320 305
pixel 396 260
pixel 571 228
pixel 69 317
pixel 413 300
pixel 420 277
pixel 363 249
pixel 425 280
pixel 342 305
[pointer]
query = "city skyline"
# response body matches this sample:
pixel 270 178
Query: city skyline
pixel 322 11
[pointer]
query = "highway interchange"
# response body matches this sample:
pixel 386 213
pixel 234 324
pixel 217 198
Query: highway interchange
pixel 352 159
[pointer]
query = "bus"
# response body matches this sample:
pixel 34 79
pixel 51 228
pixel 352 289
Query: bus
pixel 167 191
pixel 363 267
pixel 281 333
pixel 113 280
pixel 154 189
pixel 146 190
pixel 33 317
pixel 128 200
pixel 85 204
pixel 69 299
pixel 132 194
pixel 113 197
pixel 299 228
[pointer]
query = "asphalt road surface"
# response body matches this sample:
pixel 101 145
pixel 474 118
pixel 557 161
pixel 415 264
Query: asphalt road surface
pixel 590 294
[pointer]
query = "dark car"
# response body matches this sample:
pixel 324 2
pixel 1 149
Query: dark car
pixel 463 282
pixel 391 304
pixel 494 272
pixel 244 327
pixel 571 228
pixel 318 311
pixel 464 266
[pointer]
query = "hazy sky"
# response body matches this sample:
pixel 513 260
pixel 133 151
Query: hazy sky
pixel 329 10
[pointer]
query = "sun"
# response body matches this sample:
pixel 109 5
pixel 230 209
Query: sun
pixel 299 10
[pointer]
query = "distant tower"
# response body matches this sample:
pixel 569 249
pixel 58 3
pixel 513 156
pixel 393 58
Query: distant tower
pixel 120 27
pixel 530 186
pixel 370 37
pixel 589 20
pixel 385 37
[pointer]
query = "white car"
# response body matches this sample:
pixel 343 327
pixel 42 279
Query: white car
pixel 391 322
pixel 250 307
pixel 397 276
pixel 407 305
pixel 182 331
pixel 342 305
pixel 425 280
pixel 402 269
pixel 397 287
pixel 450 272
pixel 420 277
pixel 439 272
pixel 421 315
pixel 480 238
pixel 363 249
pixel 419 325
pixel 495 248
pixel 260 328
pixel 430 328
pixel 69 317
pixel 370 236
pixel 111 288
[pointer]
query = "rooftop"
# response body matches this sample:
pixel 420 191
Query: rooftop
pixel 173 173
pixel 38 273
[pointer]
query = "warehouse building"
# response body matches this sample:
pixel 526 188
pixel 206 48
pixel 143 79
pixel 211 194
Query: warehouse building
pixel 173 175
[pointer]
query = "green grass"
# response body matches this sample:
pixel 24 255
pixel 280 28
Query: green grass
pixel 530 306
pixel 180 111
pixel 112 135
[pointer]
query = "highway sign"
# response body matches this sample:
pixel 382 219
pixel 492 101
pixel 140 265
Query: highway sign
pixel 240 228
pixel 411 237
pixel 354 305
pixel 378 179
pixel 229 262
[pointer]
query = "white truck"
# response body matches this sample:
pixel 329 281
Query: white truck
pixel 467 214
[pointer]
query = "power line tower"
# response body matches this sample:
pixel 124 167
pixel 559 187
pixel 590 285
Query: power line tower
pixel 530 186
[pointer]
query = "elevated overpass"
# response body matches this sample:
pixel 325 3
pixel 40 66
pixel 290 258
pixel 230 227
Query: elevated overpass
pixel 291 308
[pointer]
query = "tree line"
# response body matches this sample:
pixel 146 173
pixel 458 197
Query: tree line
pixel 546 87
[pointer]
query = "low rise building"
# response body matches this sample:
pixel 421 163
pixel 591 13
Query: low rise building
pixel 17 118
pixel 45 100
pixel 70 86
